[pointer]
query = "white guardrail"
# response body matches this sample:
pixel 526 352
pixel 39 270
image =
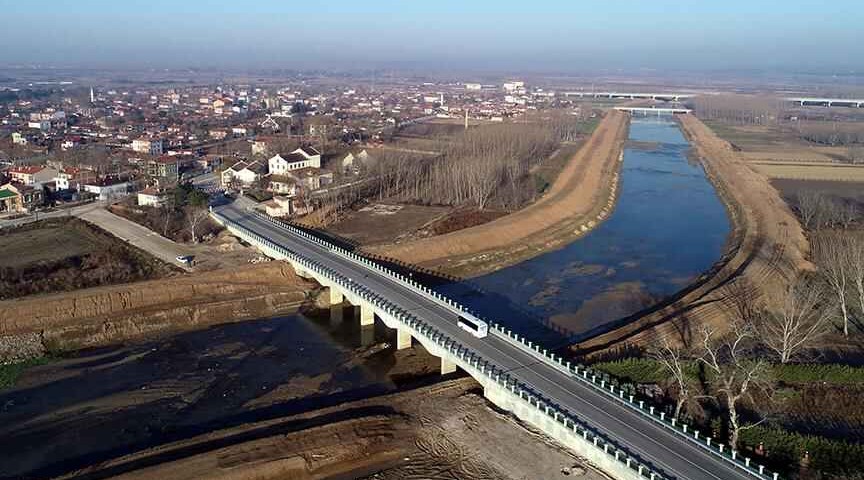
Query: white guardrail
pixel 597 380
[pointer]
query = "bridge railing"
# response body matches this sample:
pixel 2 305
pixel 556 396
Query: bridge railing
pixel 596 380
pixel 467 358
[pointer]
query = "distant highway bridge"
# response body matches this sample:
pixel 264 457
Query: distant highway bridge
pixel 658 111
pixel 578 407
pixel 672 97
pixel 827 102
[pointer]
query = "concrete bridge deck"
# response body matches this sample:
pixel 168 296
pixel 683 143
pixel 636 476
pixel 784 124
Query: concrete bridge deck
pixel 568 404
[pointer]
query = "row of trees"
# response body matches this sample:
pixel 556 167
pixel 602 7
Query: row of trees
pixel 483 166
pixel 833 133
pixel 732 371
pixel 738 109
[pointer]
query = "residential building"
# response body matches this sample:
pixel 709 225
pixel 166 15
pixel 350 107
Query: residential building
pixel 244 173
pixel 165 169
pixel 107 188
pixel 279 206
pixel 19 198
pixel 353 164
pixel 282 185
pixel 21 138
pixel 43 125
pixel 150 146
pixel 31 175
pixel 303 157
pixel 151 197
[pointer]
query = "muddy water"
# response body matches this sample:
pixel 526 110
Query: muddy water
pixel 668 227
pixel 100 403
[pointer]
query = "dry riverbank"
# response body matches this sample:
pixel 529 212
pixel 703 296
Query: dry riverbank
pixel 104 315
pixel 582 196
pixel 436 432
pixel 766 247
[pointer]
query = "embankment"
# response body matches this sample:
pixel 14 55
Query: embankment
pixel 103 315
pixel 582 196
pixel 767 247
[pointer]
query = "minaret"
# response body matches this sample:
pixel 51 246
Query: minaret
pixel 92 96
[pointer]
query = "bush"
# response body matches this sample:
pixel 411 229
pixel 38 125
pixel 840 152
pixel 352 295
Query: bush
pixel 9 374
pixel 786 449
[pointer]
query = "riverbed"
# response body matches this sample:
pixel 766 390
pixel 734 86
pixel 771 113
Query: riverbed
pixel 668 226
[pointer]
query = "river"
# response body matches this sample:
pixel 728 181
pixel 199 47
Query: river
pixel 668 226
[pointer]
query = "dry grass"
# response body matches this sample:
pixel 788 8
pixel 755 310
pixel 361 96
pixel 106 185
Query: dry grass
pixel 812 171
pixel 44 243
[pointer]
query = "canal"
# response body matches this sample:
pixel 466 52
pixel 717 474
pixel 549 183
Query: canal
pixel 668 227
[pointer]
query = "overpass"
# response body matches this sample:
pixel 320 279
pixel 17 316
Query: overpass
pixel 674 97
pixel 827 102
pixel 578 407
pixel 658 111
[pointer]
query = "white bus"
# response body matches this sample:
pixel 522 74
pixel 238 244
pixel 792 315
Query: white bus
pixel 473 325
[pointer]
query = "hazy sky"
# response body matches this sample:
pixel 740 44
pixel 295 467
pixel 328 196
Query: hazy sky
pixel 565 35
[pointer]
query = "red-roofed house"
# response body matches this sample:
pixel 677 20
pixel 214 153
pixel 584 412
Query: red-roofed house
pixel 31 175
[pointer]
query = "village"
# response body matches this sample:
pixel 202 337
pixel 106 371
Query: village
pixel 278 145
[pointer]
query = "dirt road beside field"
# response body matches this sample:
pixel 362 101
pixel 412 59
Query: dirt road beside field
pixel 767 247
pixel 582 196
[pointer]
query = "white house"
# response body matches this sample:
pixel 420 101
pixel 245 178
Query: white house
pixel 150 197
pixel 352 163
pixel 299 158
pixel 150 146
pixel 279 206
pixel 243 173
pixel 107 189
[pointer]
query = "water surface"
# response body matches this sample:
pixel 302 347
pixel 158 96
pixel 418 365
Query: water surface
pixel 668 227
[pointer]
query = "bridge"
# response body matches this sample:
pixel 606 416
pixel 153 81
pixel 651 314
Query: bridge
pixel 827 102
pixel 658 111
pixel 674 97
pixel 571 403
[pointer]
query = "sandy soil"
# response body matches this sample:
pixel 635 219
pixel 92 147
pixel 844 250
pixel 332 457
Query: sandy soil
pixel 767 247
pixel 437 432
pixel 104 315
pixel 581 197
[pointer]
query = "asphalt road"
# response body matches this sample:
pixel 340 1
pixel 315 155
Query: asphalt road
pixel 138 235
pixel 655 445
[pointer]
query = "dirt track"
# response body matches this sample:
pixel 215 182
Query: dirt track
pixel 767 247
pixel 581 197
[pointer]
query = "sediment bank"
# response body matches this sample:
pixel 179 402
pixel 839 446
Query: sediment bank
pixel 581 197
pixel 767 247
pixel 104 315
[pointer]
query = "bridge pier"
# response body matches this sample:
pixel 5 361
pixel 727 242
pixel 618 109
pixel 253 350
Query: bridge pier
pixel 367 335
pixel 336 296
pixel 447 366
pixel 337 313
pixel 403 339
pixel 367 315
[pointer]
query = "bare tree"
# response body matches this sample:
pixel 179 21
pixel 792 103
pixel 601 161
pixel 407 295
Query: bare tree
pixel 166 212
pixel 672 357
pixel 856 266
pixel 799 318
pixel 833 255
pixel 195 216
pixel 809 206
pixel 856 154
pixel 732 375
